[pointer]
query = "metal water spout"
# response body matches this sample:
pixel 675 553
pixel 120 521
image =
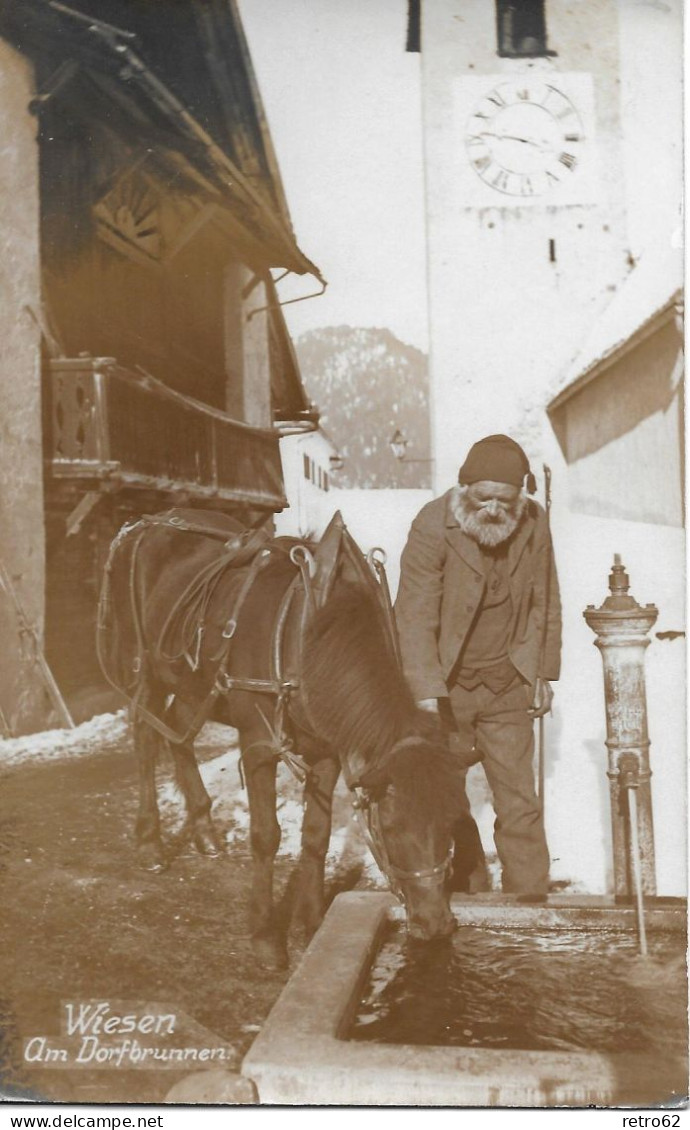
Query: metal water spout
pixel 621 626
pixel 629 781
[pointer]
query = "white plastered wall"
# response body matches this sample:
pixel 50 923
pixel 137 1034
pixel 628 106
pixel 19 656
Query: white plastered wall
pixel 506 323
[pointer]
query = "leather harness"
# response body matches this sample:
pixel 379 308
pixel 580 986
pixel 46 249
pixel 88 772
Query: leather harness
pixel 186 618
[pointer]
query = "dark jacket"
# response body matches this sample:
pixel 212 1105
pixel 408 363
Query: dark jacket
pixel 442 584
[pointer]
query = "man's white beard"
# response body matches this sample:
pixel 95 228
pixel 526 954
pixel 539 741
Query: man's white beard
pixel 477 524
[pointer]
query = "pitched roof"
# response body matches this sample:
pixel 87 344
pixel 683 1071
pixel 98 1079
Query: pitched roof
pixel 188 66
pixel 649 293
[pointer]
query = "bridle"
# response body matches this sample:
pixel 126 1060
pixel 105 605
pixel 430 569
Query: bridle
pixel 367 812
pixel 376 842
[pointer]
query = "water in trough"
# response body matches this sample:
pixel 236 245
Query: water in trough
pixel 554 989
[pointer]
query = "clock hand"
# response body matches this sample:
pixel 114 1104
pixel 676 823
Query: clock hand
pixel 512 137
pixel 523 141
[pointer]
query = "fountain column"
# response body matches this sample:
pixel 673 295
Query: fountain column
pixel 621 626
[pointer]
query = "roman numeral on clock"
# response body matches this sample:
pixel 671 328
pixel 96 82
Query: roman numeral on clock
pixel 568 160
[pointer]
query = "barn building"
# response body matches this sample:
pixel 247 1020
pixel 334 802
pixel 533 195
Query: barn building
pixel 146 361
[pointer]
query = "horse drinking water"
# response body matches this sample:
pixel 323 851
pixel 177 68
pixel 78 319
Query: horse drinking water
pixel 200 619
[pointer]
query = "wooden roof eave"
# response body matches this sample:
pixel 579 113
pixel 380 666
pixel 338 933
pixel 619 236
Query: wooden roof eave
pixel 257 103
pixel 659 319
pixel 230 180
pixel 111 61
pixel 234 192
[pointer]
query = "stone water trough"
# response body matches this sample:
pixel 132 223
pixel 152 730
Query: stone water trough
pixel 303 1055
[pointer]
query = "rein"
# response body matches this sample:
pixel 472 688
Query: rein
pixel 367 813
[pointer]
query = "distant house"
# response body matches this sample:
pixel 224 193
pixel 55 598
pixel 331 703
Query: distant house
pixel 311 462
pixel 146 361
pixel 619 414
pixel 618 418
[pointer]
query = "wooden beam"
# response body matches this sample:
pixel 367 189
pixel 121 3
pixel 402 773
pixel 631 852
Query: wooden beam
pixel 199 221
pixel 82 511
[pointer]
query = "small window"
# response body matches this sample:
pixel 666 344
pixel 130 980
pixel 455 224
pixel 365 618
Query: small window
pixel 413 41
pixel 307 466
pixel 521 27
pixel 326 481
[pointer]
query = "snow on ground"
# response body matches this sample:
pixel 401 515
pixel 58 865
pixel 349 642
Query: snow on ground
pixel 94 736
pixel 222 780
pixel 218 746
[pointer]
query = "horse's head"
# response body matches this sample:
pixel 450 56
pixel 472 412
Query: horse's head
pixel 393 754
pixel 410 806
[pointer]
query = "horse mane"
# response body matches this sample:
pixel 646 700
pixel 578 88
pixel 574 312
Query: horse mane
pixel 356 693
pixel 359 698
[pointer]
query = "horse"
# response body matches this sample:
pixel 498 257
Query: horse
pixel 291 644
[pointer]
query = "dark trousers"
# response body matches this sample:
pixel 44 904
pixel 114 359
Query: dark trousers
pixel 497 730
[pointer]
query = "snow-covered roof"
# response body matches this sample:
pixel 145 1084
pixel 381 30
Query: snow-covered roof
pixel 653 287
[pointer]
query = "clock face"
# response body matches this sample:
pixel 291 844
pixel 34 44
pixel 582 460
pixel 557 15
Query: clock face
pixel 524 137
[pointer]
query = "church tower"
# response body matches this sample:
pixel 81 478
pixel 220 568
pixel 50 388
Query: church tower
pixel 527 235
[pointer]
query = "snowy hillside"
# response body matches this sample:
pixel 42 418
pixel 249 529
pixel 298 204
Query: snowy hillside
pixel 368 384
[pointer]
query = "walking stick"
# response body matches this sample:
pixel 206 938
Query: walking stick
pixel 540 784
pixel 547 588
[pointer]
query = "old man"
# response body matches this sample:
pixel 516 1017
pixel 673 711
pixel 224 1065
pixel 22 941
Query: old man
pixel 479 617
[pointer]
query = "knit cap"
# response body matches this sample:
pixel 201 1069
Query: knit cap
pixel 497 459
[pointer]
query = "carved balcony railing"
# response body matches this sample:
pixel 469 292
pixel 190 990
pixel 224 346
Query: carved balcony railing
pixel 108 423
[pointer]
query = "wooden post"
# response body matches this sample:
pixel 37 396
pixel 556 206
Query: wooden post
pixel 22 693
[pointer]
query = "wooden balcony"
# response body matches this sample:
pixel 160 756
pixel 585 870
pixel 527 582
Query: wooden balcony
pixel 108 424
